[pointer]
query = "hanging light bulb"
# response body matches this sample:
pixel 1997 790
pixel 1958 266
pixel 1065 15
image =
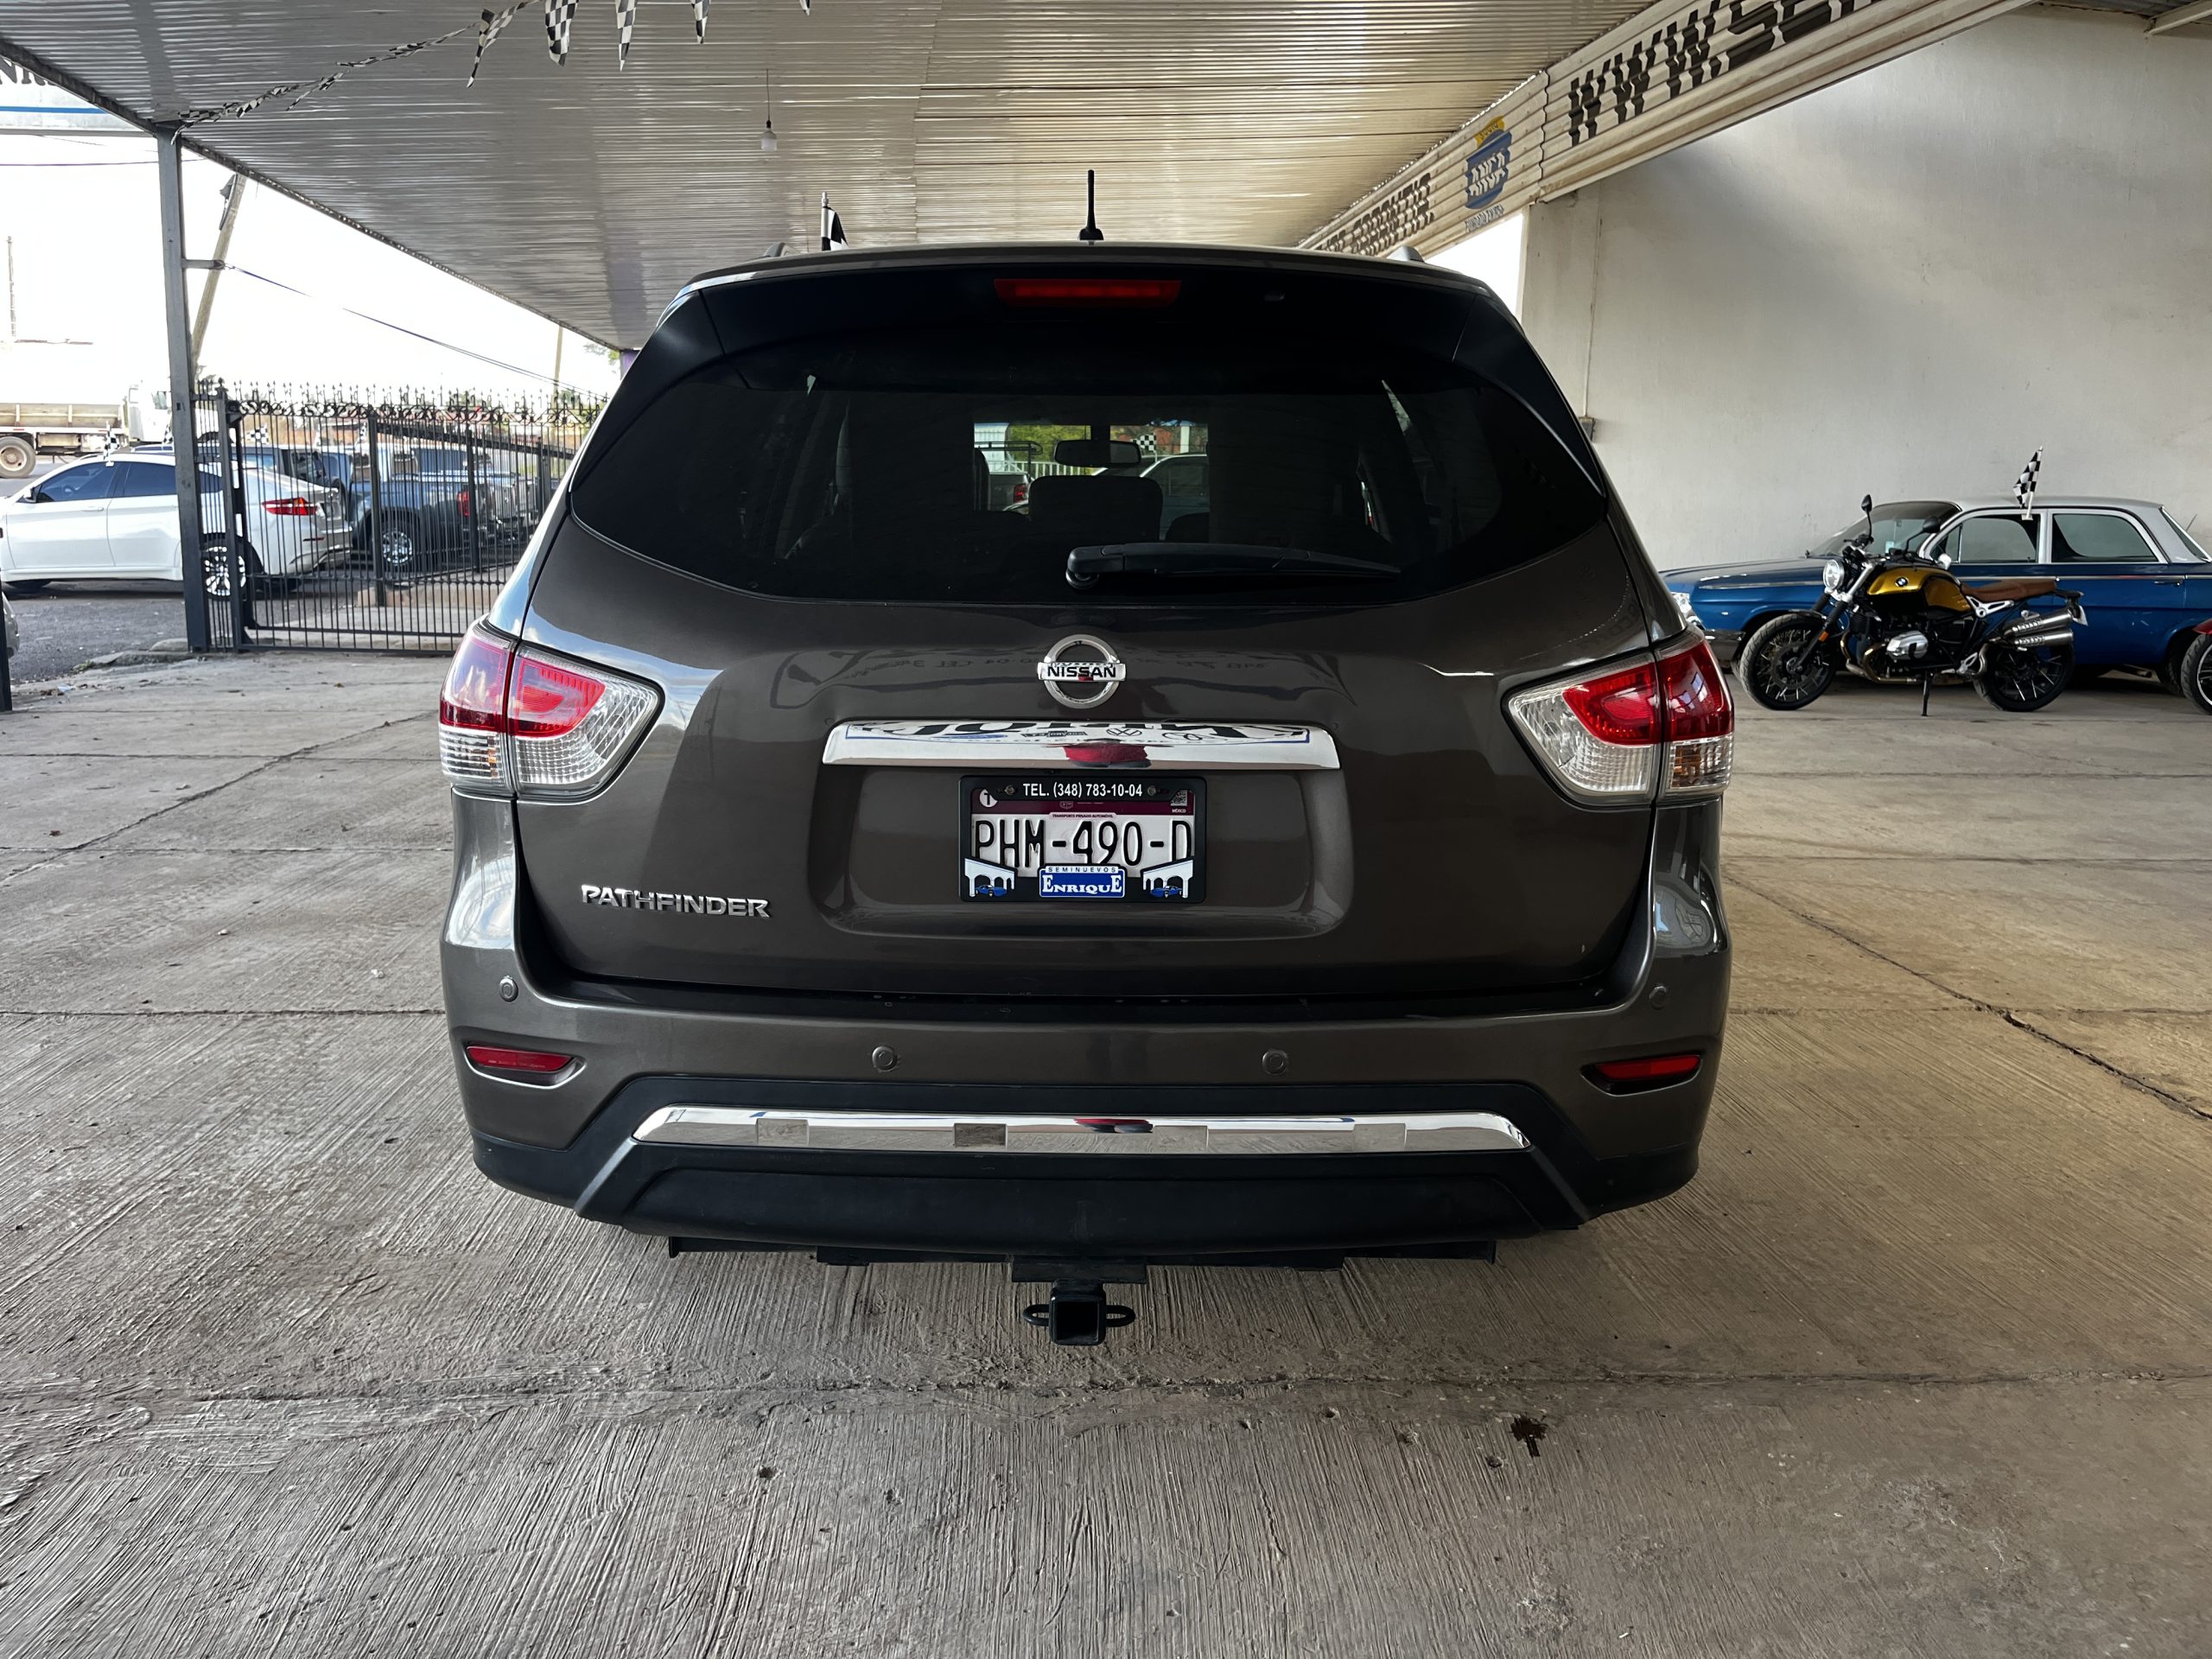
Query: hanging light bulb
pixel 767 127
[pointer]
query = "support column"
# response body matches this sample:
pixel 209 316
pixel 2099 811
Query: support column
pixel 183 432
pixel 1558 289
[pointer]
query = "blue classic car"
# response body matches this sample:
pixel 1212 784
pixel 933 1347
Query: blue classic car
pixel 2144 581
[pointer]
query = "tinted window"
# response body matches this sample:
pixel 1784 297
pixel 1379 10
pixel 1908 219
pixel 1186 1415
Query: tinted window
pixel 77 483
pixel 2097 537
pixel 2004 540
pixel 140 478
pixel 848 467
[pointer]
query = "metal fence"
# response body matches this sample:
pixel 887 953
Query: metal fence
pixel 337 522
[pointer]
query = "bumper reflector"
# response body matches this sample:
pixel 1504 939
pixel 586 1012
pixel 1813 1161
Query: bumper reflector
pixel 1648 1071
pixel 534 1063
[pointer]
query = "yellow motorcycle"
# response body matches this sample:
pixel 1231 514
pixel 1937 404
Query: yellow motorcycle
pixel 1903 619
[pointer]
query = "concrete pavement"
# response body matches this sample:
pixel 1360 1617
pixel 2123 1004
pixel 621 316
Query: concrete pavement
pixel 1921 1364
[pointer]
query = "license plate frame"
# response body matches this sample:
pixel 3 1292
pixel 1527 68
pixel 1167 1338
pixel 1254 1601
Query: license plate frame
pixel 1075 795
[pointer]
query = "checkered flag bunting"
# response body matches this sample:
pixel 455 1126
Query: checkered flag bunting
pixel 560 16
pixel 699 20
pixel 487 30
pixel 625 25
pixel 2025 491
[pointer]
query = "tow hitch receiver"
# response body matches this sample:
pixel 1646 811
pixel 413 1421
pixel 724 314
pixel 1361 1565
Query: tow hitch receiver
pixel 1078 1314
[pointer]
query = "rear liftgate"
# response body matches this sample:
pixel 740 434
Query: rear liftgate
pixel 1075 1312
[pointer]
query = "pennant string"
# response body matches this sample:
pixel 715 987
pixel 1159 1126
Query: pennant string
pixel 488 29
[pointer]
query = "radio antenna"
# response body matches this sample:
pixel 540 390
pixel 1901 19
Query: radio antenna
pixel 1090 233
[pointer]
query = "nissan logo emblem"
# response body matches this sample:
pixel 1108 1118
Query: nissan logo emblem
pixel 1080 671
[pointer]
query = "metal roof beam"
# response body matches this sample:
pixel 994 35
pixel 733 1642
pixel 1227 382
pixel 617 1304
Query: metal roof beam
pixel 1674 73
pixel 2181 19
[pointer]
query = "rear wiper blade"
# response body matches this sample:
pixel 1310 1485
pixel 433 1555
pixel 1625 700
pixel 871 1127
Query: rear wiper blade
pixel 1087 564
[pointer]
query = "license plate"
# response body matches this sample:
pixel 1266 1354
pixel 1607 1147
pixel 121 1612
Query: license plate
pixel 1082 837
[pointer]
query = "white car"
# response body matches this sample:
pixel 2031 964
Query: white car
pixel 116 517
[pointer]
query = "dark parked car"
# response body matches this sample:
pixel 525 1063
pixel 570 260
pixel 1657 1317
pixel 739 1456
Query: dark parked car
pixel 426 496
pixel 845 866
pixel 2144 581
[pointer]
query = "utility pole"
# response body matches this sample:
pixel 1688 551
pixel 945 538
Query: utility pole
pixel 184 443
pixel 234 195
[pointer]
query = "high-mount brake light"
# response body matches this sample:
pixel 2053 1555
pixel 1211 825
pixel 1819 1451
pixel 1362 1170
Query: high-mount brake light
pixel 1089 290
pixel 1649 1071
pixel 514 720
pixel 1662 730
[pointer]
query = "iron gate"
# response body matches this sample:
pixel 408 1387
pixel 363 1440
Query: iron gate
pixel 340 523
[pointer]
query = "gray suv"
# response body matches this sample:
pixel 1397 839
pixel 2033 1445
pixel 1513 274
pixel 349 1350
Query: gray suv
pixel 1326 869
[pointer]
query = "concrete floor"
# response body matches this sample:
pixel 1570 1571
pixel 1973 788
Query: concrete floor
pixel 1921 1364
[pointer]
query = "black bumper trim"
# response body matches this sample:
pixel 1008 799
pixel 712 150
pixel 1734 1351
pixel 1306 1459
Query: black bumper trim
pixel 986 1204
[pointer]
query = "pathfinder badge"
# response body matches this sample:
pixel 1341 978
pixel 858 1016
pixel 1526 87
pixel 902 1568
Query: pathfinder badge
pixel 688 903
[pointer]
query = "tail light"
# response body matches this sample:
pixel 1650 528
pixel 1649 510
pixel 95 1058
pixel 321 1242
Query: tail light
pixel 1663 729
pixel 290 506
pixel 513 721
pixel 465 503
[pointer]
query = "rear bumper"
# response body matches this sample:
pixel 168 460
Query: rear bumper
pixel 1571 1149
pixel 1136 1205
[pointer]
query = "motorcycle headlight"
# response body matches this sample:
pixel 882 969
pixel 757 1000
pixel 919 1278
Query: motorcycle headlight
pixel 1833 575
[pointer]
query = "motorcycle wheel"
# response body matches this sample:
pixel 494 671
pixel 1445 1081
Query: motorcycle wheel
pixel 2196 673
pixel 1782 664
pixel 2021 679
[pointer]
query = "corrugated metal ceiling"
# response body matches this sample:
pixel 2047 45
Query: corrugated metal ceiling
pixel 591 194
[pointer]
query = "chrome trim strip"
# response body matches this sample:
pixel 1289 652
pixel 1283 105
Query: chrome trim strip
pixel 1220 746
pixel 741 1126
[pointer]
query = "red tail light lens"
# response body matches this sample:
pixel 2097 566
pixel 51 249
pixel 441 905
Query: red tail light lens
pixel 517 721
pixel 1621 708
pixel 1665 727
pixel 1651 1072
pixel 1088 290
pixel 534 1063
pixel 1695 697
pixel 475 695
pixel 547 699
pixel 290 506
pixel 465 503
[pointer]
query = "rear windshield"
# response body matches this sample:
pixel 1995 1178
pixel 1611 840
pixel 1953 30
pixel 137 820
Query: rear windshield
pixel 964 465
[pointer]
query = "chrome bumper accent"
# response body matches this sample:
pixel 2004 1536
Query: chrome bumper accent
pixel 738 1126
pixel 986 745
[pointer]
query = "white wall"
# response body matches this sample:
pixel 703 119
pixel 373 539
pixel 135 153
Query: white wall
pixel 1491 255
pixel 1902 284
